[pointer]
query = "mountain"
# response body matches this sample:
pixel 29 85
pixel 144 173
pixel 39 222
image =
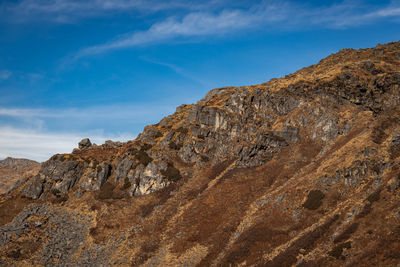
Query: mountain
pixel 13 170
pixel 302 170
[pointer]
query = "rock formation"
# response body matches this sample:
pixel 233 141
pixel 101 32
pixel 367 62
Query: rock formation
pixel 303 170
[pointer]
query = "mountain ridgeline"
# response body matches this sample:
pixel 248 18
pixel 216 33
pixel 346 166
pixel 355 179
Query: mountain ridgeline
pixel 302 170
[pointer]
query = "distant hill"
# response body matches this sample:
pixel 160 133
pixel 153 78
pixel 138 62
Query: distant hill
pixel 13 170
pixel 302 170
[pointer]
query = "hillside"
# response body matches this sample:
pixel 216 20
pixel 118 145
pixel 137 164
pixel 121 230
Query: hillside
pixel 303 170
pixel 13 170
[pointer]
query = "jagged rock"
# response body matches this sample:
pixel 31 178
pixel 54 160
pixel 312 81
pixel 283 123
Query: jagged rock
pixel 149 135
pixel 33 188
pixel 149 179
pixel 94 179
pixel 84 143
pixel 123 168
pixel 62 172
pixel 187 154
pixel 112 143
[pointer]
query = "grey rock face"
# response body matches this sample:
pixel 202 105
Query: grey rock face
pixel 112 143
pixel 187 154
pixel 34 188
pixel 85 143
pixel 62 173
pixel 290 134
pixel 149 179
pixel 96 178
pixel 149 135
pixel 122 169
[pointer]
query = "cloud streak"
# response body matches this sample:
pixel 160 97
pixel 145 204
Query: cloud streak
pixel 131 112
pixel 194 24
pixel 69 11
pixel 272 16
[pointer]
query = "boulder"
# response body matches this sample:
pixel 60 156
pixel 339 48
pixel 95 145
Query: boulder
pixel 84 143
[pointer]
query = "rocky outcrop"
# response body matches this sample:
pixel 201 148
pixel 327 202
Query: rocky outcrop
pixel 61 173
pixel 84 143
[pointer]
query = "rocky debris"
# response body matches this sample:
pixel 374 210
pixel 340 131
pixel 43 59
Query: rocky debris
pixel 84 143
pixel 65 231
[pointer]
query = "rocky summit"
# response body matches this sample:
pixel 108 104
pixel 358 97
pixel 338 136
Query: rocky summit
pixel 302 170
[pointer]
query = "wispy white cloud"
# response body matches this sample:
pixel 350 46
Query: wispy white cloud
pixel 67 11
pixel 178 70
pixel 194 24
pixel 40 146
pixel 5 74
pixel 130 112
pixel 267 15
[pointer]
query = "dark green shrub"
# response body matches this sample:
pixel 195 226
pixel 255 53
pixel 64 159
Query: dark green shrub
pixel 143 157
pixel 106 191
pixel 337 251
pixel 172 173
pixel 93 231
pixel 158 135
pixel 98 168
pixel 182 130
pixel 145 147
pixel 346 233
pixel 127 184
pixel 314 200
pixel 375 196
pixel 204 158
pixel 174 146
pixel 365 211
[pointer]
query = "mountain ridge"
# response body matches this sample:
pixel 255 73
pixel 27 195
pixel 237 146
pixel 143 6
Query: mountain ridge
pixel 296 171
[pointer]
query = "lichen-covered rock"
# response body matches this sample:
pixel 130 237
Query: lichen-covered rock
pixel 33 188
pixel 94 179
pixel 84 143
pixel 122 169
pixel 62 172
pixel 149 179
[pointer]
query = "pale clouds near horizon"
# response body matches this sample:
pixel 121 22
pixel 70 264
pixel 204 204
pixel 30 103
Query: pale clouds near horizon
pixel 40 146
pixel 30 132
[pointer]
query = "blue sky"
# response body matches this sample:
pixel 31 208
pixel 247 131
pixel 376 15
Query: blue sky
pixel 104 69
